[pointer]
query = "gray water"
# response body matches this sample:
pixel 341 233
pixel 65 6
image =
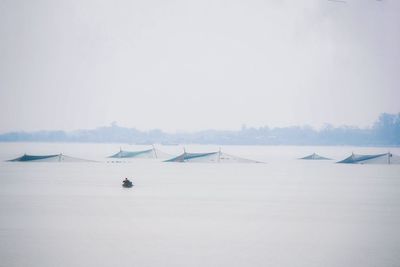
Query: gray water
pixel 286 212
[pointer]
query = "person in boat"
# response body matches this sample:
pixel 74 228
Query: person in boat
pixel 127 182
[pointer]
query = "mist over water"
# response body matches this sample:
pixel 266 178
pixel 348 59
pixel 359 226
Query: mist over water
pixel 197 65
pixel 286 212
pixel 213 73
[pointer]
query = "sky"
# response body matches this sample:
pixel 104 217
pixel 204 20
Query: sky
pixel 192 65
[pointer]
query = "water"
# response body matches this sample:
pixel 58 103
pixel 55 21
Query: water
pixel 284 213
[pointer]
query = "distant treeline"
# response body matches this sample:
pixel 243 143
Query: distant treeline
pixel 385 131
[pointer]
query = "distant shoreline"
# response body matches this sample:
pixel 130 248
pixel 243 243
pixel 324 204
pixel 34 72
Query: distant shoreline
pixel 384 132
pixel 210 144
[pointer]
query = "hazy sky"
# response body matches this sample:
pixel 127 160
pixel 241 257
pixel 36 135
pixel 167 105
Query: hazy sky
pixel 189 65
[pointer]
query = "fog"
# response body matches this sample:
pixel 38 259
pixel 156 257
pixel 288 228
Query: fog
pixel 178 65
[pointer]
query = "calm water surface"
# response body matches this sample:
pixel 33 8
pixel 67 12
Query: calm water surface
pixel 286 212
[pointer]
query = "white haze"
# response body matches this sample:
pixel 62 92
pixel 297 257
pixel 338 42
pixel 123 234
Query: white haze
pixel 189 65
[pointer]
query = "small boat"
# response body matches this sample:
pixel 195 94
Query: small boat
pixel 127 184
